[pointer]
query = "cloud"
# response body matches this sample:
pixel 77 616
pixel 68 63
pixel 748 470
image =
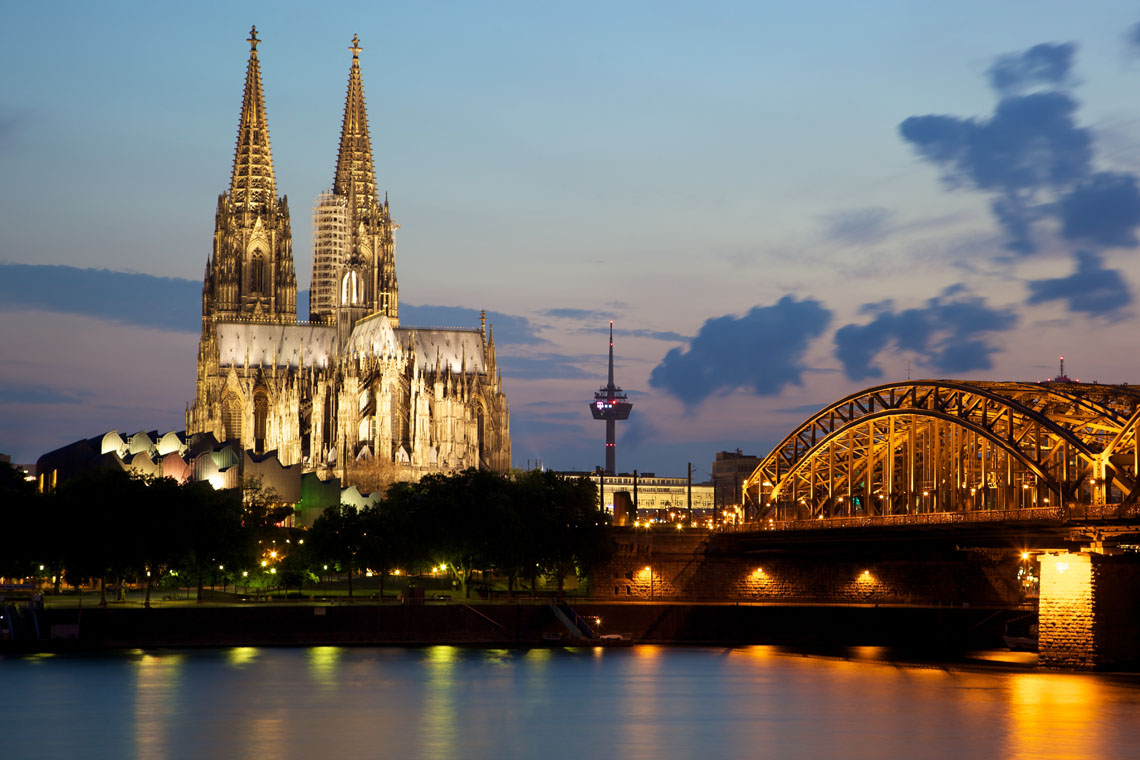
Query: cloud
pixel 666 335
pixel 950 332
pixel 169 303
pixel 1103 210
pixel 545 366
pixel 638 429
pixel 1032 156
pixel 1132 38
pixel 41 394
pixel 578 315
pixel 1044 64
pixel 510 329
pixel 1091 289
pixel 1027 152
pixel 858 226
pixel 762 350
pixel 164 303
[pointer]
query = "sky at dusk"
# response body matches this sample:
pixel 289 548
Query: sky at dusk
pixel 777 204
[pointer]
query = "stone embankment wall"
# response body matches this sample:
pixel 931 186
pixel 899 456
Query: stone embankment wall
pixel 1089 616
pixel 658 564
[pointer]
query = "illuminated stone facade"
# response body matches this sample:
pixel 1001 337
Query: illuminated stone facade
pixel 350 388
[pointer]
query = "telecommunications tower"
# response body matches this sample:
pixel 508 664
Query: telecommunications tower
pixel 610 404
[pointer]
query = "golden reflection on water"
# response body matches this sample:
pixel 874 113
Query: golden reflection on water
pixel 640 706
pixel 324 663
pixel 439 720
pixel 266 735
pixel 1054 715
pixel 156 687
pixel 239 656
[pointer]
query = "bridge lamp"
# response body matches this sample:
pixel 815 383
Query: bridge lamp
pixel 1025 555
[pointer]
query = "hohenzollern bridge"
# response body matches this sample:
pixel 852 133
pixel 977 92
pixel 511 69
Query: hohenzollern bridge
pixel 947 450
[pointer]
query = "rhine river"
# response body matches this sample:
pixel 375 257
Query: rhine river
pixel 637 703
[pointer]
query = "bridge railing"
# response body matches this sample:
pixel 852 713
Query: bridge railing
pixel 1053 512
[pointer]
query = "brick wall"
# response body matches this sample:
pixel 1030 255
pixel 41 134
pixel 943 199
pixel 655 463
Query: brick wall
pixel 662 565
pixel 1089 610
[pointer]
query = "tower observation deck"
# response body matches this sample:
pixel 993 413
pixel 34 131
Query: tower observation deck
pixel 610 404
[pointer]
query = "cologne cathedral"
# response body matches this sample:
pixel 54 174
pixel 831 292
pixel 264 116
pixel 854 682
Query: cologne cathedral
pixel 351 385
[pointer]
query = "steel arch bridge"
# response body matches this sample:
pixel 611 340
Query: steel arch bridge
pixel 930 447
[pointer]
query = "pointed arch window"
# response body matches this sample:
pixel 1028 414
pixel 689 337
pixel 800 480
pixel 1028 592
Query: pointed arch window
pixel 260 413
pixel 349 289
pixel 231 418
pixel 257 273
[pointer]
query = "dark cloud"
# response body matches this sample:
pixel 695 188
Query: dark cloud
pixel 666 335
pixel 169 303
pixel 1044 64
pixel 1103 210
pixel 858 226
pixel 510 329
pixel 949 332
pixel 40 394
pixel 762 350
pixel 579 315
pixel 545 366
pixel 638 429
pixel 165 303
pixel 1032 156
pixel 1092 289
pixel 1133 38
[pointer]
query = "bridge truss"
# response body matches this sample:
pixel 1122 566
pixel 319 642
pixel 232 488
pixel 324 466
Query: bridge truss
pixel 945 446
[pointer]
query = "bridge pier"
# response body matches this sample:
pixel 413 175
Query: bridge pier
pixel 1089 611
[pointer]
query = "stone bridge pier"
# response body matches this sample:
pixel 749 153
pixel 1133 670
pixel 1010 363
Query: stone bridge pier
pixel 1089 609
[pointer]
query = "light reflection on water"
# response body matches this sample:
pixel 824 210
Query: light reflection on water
pixel 633 703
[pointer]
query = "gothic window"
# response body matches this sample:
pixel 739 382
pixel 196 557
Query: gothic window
pixel 481 433
pixel 231 418
pixel 260 412
pixel 349 289
pixel 257 273
pixel 400 411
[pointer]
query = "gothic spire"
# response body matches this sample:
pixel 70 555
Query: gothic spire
pixel 253 185
pixel 355 176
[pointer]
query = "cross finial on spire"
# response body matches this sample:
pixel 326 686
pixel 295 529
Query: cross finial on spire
pixel 355 46
pixel 253 39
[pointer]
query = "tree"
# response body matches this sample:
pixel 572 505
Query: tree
pixel 263 505
pixel 23 544
pixel 569 528
pixel 336 536
pixel 211 535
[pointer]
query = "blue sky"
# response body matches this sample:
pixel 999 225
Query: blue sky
pixel 777 205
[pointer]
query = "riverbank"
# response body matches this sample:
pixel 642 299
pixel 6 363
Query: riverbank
pixel 929 629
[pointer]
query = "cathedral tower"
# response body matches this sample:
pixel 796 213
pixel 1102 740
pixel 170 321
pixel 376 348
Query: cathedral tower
pixel 354 256
pixel 250 272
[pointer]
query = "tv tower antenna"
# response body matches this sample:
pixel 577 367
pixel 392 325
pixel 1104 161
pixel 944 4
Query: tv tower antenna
pixel 611 404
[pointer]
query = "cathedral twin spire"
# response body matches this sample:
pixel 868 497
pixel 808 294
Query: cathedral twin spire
pixel 253 185
pixel 355 176
pixel 355 241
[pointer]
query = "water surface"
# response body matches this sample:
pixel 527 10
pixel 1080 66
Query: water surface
pixel 651 703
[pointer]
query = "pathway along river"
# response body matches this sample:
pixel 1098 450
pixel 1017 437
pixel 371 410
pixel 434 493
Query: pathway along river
pixel 637 703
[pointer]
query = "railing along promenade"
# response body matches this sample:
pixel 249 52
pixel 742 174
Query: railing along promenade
pixel 1054 512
